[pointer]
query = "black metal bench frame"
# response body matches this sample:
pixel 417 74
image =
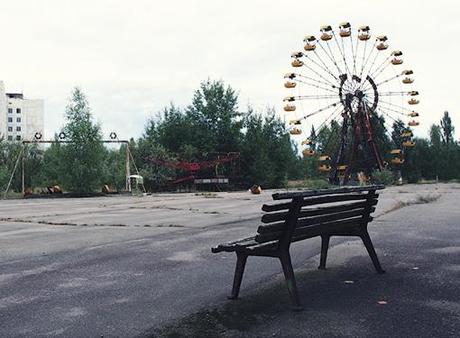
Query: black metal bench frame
pixel 289 222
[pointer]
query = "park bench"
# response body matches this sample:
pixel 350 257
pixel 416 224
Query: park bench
pixel 303 215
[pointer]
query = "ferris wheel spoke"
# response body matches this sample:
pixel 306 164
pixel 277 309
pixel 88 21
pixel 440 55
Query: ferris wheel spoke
pixel 323 66
pixel 387 114
pixel 319 75
pixel 314 97
pixel 331 58
pixel 389 79
pixel 316 80
pixel 329 106
pixel 355 56
pixel 395 105
pixel 331 117
pixel 336 92
pixel 394 93
pixel 367 59
pixel 342 52
pixel 370 67
pixel 385 62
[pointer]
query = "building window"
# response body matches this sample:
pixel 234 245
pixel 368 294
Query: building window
pixel 18 119
pixel 10 138
pixel 18 110
pixel 18 128
pixel 10 110
pixel 10 129
pixel 18 137
pixel 10 119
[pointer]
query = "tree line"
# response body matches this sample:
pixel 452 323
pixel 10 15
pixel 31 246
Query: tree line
pixel 212 123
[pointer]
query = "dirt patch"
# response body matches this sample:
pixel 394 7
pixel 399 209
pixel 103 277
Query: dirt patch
pixel 419 199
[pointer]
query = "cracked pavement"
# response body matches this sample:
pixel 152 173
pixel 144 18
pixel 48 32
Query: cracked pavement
pixel 141 266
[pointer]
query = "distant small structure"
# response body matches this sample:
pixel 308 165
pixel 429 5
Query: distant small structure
pixel 20 118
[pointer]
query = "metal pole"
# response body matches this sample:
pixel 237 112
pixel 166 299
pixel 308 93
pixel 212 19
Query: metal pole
pixel 128 183
pixel 22 170
pixel 12 174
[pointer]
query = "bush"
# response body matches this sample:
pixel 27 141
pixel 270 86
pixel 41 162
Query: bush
pixel 384 176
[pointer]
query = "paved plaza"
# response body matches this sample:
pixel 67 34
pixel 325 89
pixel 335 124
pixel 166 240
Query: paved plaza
pixel 141 266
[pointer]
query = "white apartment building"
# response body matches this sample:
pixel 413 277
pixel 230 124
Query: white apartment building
pixel 20 118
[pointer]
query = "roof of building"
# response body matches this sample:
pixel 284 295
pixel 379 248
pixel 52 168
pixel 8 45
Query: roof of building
pixel 15 95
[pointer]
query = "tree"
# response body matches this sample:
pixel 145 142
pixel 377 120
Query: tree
pixel 215 118
pixel 83 156
pixel 447 129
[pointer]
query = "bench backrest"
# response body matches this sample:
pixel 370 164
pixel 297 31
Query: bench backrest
pixel 314 212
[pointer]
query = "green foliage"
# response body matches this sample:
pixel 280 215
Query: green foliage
pixel 82 163
pixel 267 155
pixel 385 176
pixel 213 122
pixel 447 129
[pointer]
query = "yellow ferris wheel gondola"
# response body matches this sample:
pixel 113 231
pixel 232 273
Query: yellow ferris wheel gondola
pixel 297 63
pixel 324 168
pixel 295 131
pixel 290 84
pixel 324 158
pixel 345 29
pixel 308 153
pixel 307 142
pixel 397 60
pixel 407 79
pixel 310 43
pixel 408 144
pixel 326 34
pixel 295 122
pixel 382 45
pixel 289 107
pixel 395 151
pixel 397 160
pixel 407 133
pixel 363 33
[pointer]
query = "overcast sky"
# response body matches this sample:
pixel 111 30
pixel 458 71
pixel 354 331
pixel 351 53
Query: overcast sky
pixel 134 57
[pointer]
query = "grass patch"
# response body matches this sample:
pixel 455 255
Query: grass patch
pixel 318 183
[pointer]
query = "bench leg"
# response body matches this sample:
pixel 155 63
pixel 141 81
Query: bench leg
pixel 324 247
pixel 285 259
pixel 239 270
pixel 370 249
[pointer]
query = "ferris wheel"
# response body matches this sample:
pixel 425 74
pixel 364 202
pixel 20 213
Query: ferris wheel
pixel 353 79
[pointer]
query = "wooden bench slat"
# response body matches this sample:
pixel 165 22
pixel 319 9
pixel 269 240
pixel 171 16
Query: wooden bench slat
pixel 313 230
pixel 276 207
pixel 321 218
pixel 281 216
pixel 337 198
pixel 333 217
pixel 319 192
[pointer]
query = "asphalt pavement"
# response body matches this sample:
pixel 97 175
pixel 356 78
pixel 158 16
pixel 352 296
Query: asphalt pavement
pixel 142 267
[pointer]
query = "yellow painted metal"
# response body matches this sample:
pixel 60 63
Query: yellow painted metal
pixel 297 63
pixel 308 152
pixel 290 84
pixel 324 168
pixel 408 144
pixel 289 107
